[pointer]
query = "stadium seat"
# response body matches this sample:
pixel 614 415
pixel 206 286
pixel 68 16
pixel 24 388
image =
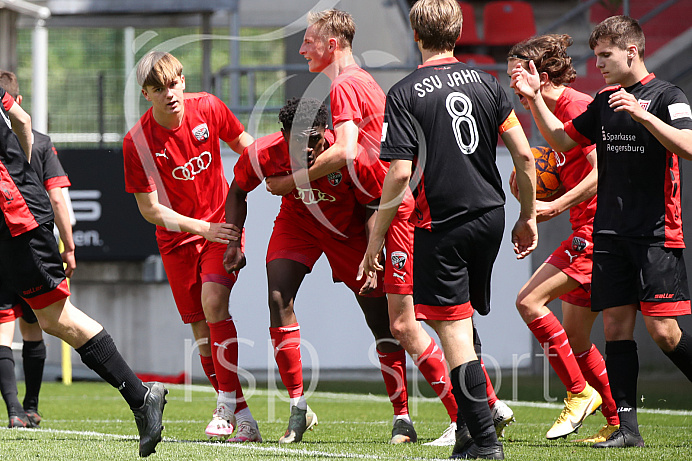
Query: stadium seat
pixel 478 60
pixel 469 31
pixel 507 22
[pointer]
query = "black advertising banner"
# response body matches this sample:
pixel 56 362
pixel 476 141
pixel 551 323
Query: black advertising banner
pixel 109 226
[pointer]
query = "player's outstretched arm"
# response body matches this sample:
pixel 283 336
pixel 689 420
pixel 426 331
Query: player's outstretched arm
pixel 553 130
pixel 525 231
pixel 162 216
pixel 21 125
pixel 583 191
pixel 62 221
pixel 673 139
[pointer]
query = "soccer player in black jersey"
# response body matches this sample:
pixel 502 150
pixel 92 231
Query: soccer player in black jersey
pixel 441 126
pixel 30 265
pixel 641 126
pixel 45 162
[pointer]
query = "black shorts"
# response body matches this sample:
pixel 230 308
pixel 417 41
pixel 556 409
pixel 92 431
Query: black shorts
pixel 31 267
pixel 652 277
pixel 452 267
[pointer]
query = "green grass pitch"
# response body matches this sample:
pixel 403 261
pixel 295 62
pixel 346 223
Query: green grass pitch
pixel 89 421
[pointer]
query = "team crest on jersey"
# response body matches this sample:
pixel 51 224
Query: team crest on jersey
pixel 335 178
pixel 645 103
pixel 399 260
pixel 201 132
pixel 579 244
pixel 6 192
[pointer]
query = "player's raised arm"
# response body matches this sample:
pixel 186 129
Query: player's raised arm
pixel 528 84
pixel 21 125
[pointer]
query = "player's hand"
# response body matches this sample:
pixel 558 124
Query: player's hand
pixel 222 233
pixel 70 262
pixel 371 261
pixel 528 83
pixel 369 285
pixel 622 101
pixel 513 187
pixel 233 259
pixel 524 237
pixel 280 185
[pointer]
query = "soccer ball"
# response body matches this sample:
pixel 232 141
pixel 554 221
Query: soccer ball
pixel 547 178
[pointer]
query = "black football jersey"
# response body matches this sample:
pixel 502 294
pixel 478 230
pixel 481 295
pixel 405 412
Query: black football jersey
pixel 638 179
pixel 44 160
pixel 446 117
pixel 24 202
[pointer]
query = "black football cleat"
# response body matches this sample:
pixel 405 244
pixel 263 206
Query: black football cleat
pixel 403 432
pixel 474 451
pixel 34 417
pixel 19 421
pixel 149 418
pixel 621 438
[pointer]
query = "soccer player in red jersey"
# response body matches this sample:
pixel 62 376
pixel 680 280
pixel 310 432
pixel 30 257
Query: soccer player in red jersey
pixel 566 274
pixel 173 167
pixel 641 127
pixel 459 213
pixel 44 160
pixel 357 105
pixel 31 266
pixel 329 216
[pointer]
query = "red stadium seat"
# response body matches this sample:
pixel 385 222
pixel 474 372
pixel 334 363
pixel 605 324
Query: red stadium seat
pixel 478 60
pixel 507 22
pixel 469 31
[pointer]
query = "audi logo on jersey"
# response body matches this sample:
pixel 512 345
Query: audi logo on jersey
pixel 193 167
pixel 312 196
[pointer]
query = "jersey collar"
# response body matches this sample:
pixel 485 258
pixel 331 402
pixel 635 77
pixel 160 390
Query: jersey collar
pixel 439 62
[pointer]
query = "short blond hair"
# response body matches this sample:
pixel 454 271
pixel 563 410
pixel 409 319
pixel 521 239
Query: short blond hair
pixel 437 22
pixel 158 69
pixel 334 23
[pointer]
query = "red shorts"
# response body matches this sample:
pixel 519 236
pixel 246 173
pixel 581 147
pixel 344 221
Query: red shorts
pixel 11 314
pixel 398 267
pixel 300 240
pixel 574 257
pixel 458 312
pixel 188 267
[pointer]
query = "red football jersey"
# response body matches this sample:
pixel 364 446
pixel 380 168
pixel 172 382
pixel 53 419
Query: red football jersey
pixel 183 165
pixel 573 165
pixel 355 95
pixel 334 201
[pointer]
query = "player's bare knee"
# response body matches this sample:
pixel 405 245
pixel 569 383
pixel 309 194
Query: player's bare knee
pixel 526 307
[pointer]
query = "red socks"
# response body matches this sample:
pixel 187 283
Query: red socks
pixel 593 368
pixel 286 343
pixel 208 367
pixel 489 389
pixel 224 353
pixel 393 366
pixel 433 367
pixel 552 336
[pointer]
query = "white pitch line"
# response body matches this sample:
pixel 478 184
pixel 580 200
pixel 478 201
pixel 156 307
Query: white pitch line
pixel 385 399
pixel 228 446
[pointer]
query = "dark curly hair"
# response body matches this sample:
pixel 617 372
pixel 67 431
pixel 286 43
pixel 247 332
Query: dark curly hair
pixel 304 113
pixel 549 53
